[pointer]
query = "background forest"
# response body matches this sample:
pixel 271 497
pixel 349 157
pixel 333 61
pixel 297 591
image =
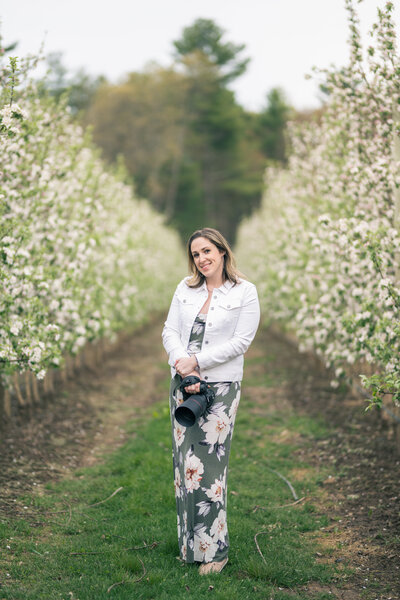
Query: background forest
pixel 188 146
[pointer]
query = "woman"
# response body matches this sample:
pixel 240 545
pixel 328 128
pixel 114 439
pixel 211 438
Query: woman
pixel 212 321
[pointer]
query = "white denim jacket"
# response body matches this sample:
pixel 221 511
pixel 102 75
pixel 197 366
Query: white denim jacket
pixel 232 321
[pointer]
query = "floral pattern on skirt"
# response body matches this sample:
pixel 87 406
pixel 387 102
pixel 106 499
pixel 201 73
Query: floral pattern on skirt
pixel 200 462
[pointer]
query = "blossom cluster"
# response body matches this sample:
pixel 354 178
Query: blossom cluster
pixel 324 247
pixel 80 256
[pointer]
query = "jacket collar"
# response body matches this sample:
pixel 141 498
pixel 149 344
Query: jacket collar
pixel 225 287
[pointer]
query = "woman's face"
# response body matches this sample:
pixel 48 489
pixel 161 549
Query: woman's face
pixel 208 259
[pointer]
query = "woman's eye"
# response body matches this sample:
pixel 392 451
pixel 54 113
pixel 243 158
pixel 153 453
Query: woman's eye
pixel 207 251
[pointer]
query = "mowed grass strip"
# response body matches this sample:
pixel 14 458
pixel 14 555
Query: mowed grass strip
pixel 126 546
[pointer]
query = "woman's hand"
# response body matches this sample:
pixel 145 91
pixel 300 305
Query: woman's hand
pixel 193 389
pixel 186 365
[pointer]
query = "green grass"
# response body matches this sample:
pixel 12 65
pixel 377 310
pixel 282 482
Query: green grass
pixel 40 563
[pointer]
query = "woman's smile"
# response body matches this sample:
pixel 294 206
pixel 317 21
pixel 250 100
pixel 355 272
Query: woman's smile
pixel 207 257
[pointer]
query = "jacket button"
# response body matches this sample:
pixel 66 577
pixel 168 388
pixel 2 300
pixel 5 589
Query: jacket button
pixel 184 300
pixel 212 308
pixel 228 305
pixel 215 297
pixel 206 342
pixel 210 324
pixel 206 377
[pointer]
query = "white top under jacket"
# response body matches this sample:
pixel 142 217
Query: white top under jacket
pixel 232 321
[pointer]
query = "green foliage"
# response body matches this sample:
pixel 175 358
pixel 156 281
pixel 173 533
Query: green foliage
pixel 142 119
pixel 191 148
pixel 272 125
pixel 205 35
pixel 78 88
pixel 380 385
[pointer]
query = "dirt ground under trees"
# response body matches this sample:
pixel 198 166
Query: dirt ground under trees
pixel 85 421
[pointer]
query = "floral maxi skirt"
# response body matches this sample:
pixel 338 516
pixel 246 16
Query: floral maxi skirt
pixel 200 463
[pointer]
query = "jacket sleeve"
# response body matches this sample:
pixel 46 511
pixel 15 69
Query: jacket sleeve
pixel 171 334
pixel 246 328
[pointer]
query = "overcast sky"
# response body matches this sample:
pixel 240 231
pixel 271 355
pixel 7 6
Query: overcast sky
pixel 283 38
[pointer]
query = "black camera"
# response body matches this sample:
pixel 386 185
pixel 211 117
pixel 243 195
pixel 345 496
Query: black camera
pixel 193 405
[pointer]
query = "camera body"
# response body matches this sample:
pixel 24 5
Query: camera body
pixel 193 405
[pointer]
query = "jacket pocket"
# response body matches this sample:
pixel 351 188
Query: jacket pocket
pixel 184 300
pixel 186 316
pixel 231 304
pixel 228 314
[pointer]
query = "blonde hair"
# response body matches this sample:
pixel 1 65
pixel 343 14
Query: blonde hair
pixel 229 272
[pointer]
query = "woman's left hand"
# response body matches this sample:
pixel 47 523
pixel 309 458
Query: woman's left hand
pixel 195 388
pixel 186 365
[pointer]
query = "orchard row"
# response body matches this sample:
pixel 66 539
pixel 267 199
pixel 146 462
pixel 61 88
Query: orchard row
pixel 80 256
pixel 324 248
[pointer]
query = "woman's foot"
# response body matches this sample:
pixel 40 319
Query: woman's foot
pixel 212 567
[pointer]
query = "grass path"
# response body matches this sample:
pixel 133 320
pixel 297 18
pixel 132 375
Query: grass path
pixel 100 521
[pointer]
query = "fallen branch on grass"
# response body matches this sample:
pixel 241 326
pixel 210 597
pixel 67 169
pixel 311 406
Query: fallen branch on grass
pixel 70 514
pixel 292 503
pixel 127 580
pixel 109 497
pixel 56 512
pixel 295 496
pixel 258 547
pixel 152 545
pixel 256 507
